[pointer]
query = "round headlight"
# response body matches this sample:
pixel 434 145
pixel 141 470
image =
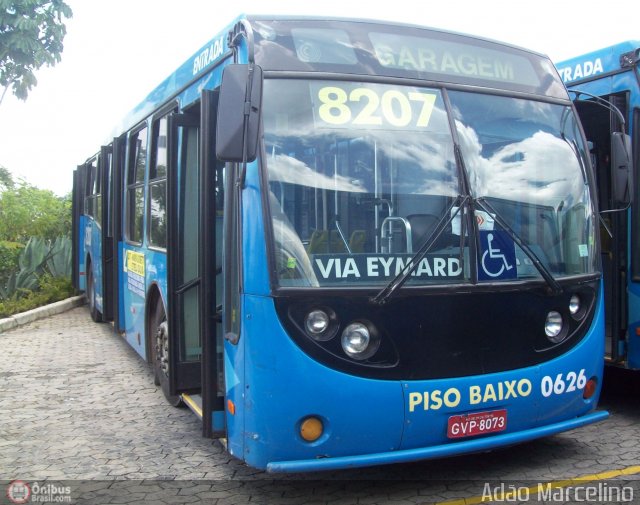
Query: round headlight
pixel 553 327
pixel 317 323
pixel 359 342
pixel 575 305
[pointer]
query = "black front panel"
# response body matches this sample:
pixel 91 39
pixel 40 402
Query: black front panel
pixel 445 335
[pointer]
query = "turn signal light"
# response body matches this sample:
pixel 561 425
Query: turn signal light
pixel 590 388
pixel 311 429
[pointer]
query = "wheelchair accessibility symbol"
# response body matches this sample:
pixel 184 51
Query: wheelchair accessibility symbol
pixel 498 259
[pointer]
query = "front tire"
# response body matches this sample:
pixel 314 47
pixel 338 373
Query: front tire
pixel 159 335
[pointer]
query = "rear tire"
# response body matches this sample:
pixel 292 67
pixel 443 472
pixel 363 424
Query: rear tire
pixel 96 315
pixel 159 335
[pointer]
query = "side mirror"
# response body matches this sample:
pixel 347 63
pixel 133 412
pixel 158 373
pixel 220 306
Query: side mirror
pixel 621 172
pixel 239 109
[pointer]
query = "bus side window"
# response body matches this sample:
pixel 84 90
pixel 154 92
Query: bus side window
pixel 97 192
pixel 158 186
pixel 93 206
pixel 135 186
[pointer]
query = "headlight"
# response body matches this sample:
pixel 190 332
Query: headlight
pixel 575 305
pixel 320 324
pixel 360 341
pixel 553 327
pixel 317 322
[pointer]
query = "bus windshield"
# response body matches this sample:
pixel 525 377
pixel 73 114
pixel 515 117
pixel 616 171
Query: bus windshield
pixel 362 175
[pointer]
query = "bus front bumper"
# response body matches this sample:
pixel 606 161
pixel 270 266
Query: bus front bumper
pixel 438 451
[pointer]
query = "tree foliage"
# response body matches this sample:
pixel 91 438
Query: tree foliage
pixel 27 211
pixel 31 35
pixel 6 179
pixel 35 245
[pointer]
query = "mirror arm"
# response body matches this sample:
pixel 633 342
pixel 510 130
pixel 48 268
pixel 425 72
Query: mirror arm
pixel 242 176
pixel 242 29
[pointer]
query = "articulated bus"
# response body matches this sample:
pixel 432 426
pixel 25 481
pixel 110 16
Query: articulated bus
pixel 606 87
pixel 350 243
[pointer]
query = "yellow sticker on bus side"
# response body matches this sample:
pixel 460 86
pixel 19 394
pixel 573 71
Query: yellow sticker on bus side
pixel 134 262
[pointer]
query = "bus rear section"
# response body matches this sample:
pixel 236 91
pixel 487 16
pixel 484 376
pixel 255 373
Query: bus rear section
pixel 92 235
pixel 606 87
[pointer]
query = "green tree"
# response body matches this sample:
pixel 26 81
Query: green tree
pixel 31 35
pixel 27 211
pixel 6 179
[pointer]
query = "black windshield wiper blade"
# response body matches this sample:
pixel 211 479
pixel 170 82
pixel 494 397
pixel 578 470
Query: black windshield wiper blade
pixel 385 294
pixel 544 271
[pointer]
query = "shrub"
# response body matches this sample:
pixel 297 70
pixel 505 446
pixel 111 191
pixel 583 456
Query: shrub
pixel 52 289
pixel 38 257
pixel 9 252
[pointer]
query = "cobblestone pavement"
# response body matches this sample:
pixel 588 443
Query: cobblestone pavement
pixel 81 420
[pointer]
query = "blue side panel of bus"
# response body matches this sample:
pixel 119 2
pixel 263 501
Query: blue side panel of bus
pixel 82 255
pixel 142 268
pixel 120 287
pixel 133 295
pixel 633 350
pixel 96 263
pixel 92 250
pixel 594 64
pixel 255 271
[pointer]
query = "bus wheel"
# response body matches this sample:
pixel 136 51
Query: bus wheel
pixel 96 315
pixel 159 332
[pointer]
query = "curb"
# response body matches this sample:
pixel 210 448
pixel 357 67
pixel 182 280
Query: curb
pixel 41 312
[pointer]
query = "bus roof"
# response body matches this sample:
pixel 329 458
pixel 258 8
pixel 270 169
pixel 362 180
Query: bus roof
pixel 599 63
pixel 457 57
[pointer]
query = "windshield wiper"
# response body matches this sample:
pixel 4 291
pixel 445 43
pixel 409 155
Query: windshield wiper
pixel 544 271
pixel 385 294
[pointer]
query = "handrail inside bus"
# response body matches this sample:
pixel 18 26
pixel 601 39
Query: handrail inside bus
pixel 603 103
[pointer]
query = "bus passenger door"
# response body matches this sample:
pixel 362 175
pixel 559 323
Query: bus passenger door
pixel 183 255
pixel 77 226
pixel 598 123
pixel 211 212
pixel 108 264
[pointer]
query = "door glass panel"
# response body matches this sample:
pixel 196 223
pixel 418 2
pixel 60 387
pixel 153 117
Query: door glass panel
pixel 190 205
pixel 192 347
pixel 190 244
pixel 220 195
pixel 158 211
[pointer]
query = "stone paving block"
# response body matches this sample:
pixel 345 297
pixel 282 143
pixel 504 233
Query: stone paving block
pixel 76 402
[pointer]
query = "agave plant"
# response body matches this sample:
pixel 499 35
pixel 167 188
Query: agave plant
pixel 59 260
pixel 38 257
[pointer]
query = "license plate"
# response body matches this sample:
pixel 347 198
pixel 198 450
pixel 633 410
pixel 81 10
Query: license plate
pixel 478 423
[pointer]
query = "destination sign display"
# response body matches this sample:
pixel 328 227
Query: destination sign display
pixel 446 57
pixel 377 49
pixel 380 267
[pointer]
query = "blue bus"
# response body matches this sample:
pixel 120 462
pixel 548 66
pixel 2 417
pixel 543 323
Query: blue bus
pixel 346 243
pixel 606 87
